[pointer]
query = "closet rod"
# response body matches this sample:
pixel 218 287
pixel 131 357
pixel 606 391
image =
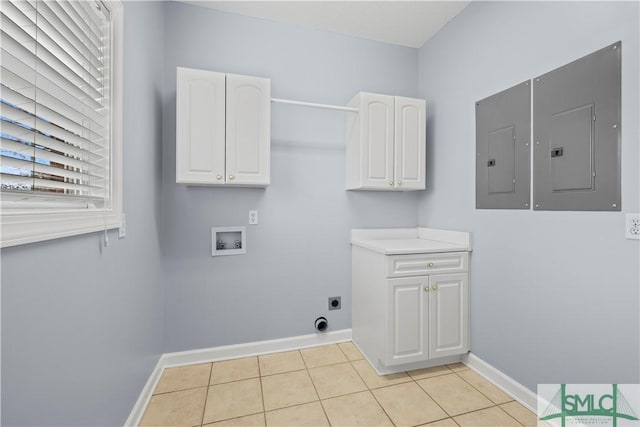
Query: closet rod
pixel 313 105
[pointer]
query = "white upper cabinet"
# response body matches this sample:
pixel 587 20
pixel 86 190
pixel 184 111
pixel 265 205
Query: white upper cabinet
pixel 410 143
pixel 370 142
pixel 386 143
pixel 248 130
pixel 200 126
pixel 223 124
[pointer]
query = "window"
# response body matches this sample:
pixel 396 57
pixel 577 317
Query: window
pixel 60 118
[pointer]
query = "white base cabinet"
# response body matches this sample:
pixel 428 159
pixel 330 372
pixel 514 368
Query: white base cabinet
pixel 223 126
pixel 419 320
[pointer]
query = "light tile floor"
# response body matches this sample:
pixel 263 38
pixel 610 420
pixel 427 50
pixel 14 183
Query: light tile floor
pixel 327 386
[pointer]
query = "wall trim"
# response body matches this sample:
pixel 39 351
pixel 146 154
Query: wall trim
pixel 501 380
pixel 257 348
pixel 145 396
pixel 213 354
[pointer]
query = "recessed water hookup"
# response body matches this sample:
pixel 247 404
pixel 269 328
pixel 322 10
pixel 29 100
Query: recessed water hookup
pixel 321 324
pixel 228 241
pixel 335 303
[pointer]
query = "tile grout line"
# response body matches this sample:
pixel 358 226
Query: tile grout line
pixel 431 397
pixel 468 412
pixel 178 390
pixel 235 381
pixel 488 407
pixel 512 416
pixel 264 408
pixel 463 413
pixel 382 407
pixel 304 362
pixel 280 373
pixel 480 391
pixel 496 404
pixel 206 395
pixel 415 381
pixel 371 392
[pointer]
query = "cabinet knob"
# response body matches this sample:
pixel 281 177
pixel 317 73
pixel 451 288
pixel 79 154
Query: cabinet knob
pixel 430 265
pixel 391 183
pixel 434 287
pixel 218 177
pixel 399 183
pixel 231 177
pixel 426 289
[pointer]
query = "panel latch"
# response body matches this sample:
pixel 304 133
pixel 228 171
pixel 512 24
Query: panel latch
pixel 557 152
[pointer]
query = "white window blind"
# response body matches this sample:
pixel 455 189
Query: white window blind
pixel 56 130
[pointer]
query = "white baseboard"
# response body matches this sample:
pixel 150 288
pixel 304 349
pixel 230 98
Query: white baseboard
pixel 145 395
pixel 206 355
pixel 507 384
pixel 253 348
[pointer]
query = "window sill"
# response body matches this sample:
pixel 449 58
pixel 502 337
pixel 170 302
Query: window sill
pixel 36 227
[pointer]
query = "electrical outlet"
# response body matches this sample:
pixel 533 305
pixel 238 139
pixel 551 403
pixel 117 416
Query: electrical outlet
pixel 632 226
pixel 335 303
pixel 122 231
pixel 253 217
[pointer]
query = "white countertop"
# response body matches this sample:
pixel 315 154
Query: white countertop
pixel 411 241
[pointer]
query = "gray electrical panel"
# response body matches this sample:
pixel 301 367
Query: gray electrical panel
pixel 576 129
pixel 503 151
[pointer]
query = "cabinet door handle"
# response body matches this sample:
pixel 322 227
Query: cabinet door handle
pixel 218 177
pixel 231 177
pixel 426 289
pixel 430 265
pixel 434 287
pixel 391 183
pixel 399 183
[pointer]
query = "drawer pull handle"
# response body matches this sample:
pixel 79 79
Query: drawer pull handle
pixel 434 287
pixel 426 289
pixel 430 265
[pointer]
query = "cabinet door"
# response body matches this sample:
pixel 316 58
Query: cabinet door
pixel 410 144
pixel 448 315
pixel 376 127
pixel 248 130
pixel 407 316
pixel 200 127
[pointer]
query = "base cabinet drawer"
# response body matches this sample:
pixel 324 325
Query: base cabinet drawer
pixel 425 264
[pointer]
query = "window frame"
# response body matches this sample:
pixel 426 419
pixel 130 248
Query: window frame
pixel 22 226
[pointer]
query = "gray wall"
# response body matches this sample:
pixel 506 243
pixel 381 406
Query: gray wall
pixel 554 295
pixel 299 253
pixel 81 324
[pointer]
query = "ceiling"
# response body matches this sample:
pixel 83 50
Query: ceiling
pixel 405 23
